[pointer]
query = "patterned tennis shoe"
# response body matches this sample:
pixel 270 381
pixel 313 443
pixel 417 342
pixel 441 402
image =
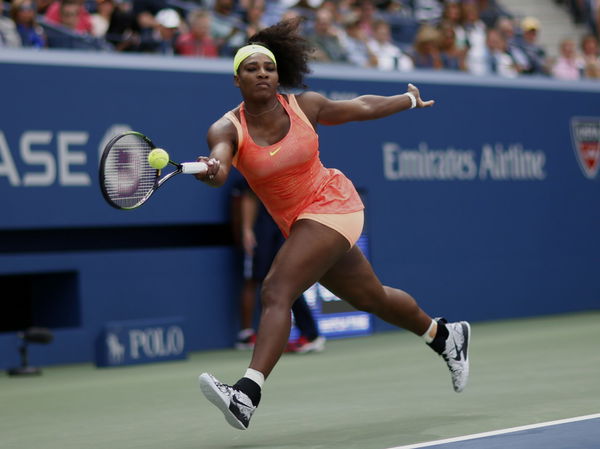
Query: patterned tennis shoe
pixel 456 353
pixel 235 405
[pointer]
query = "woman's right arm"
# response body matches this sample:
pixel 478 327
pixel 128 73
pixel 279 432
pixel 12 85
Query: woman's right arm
pixel 222 142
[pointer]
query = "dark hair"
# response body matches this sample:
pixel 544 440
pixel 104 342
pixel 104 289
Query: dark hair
pixel 290 49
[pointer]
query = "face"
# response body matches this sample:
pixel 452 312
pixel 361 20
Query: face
pixel 505 26
pixel 530 35
pixel 590 46
pixel 69 15
pixel 257 77
pixel 470 12
pixel 382 33
pixel 452 12
pixel 200 26
pixel 495 41
pixel 568 48
pixel 323 21
pixel 25 12
pixel 106 7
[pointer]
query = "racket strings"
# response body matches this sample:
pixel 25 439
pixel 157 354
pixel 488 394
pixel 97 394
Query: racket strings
pixel 128 177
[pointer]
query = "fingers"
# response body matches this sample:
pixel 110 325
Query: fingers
pixel 420 102
pixel 213 168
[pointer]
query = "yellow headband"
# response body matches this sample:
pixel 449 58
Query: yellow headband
pixel 249 50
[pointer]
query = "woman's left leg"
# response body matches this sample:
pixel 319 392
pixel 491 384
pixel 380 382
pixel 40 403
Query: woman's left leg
pixel 352 278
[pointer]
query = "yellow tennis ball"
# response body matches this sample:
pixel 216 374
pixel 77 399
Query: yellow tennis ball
pixel 158 158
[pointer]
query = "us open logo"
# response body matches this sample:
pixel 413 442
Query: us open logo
pixel 585 132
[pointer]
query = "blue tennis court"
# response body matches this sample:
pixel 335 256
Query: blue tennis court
pixel 582 432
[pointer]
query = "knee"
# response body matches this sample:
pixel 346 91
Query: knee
pixel 273 295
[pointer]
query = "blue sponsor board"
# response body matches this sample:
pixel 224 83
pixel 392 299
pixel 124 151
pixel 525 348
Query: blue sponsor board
pixel 482 207
pixel 141 341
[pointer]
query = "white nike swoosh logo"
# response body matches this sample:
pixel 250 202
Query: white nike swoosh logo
pixel 275 151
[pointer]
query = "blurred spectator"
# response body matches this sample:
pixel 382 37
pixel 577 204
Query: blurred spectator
pixel 568 65
pixel 226 27
pixel 591 57
pixel 292 14
pixel 506 27
pixel 428 11
pixel 66 33
pixel 23 13
pixel 497 60
pixel 102 17
pixel 426 52
pixel 9 36
pixel 347 11
pixel 453 58
pixel 122 28
pixel 452 16
pixel 490 11
pixel 389 56
pixel 396 8
pixel 338 16
pixel 166 32
pixel 326 38
pixel 198 41
pixel 253 17
pixel 535 62
pixel 42 6
pixel 367 15
pixel 475 33
pixel 355 43
pixel 274 12
pixel 145 25
pixel 74 16
pixel 304 6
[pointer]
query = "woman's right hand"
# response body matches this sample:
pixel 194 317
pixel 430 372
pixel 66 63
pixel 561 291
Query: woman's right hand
pixel 213 168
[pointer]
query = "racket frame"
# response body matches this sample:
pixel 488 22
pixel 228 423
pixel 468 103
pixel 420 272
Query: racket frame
pixel 179 168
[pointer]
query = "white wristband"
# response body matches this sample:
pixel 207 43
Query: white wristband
pixel 413 99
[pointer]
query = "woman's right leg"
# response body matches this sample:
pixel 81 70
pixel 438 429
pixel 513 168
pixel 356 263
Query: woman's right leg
pixel 308 253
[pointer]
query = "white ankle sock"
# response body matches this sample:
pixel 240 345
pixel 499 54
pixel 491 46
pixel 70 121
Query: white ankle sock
pixel 428 338
pixel 256 376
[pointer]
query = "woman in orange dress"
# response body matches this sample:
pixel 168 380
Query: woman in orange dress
pixel 271 139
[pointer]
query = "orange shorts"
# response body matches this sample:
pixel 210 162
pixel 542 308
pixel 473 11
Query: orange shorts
pixel 349 225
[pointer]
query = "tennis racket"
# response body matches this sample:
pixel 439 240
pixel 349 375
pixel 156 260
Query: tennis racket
pixel 126 178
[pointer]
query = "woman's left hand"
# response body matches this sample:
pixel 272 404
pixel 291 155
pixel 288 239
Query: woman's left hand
pixel 420 103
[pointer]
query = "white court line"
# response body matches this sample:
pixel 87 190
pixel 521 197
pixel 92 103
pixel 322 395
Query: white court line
pixel 498 432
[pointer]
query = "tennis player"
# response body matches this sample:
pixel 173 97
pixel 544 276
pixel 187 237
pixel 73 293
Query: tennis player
pixel 271 139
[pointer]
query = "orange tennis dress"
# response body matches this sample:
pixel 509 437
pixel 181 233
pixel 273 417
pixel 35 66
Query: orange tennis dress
pixel 288 176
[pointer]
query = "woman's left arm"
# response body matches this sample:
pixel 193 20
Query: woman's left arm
pixel 365 107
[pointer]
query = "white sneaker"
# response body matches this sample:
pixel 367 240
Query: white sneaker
pixel 235 405
pixel 456 353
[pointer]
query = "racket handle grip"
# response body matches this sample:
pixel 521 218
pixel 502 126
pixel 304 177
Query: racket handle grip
pixel 192 168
